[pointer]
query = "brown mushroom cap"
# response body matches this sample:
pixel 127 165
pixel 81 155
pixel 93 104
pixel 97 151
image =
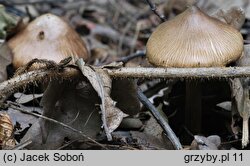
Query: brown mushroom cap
pixel 194 39
pixel 47 37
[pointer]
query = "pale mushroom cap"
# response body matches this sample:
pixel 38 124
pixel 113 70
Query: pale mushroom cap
pixel 47 37
pixel 194 39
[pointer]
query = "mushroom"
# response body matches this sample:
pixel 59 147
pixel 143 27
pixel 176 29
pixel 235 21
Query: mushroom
pixel 194 39
pixel 47 37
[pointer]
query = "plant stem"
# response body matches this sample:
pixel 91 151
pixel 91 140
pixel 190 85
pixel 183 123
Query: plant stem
pixel 154 9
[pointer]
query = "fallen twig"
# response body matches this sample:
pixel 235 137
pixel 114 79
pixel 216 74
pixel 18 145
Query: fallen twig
pixel 139 53
pixel 154 9
pixel 20 81
pixel 162 121
pixel 22 145
pixel 17 82
pixel 192 73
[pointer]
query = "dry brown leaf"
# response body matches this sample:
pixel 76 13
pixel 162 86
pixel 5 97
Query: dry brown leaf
pixel 101 82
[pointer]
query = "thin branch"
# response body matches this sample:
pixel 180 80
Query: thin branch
pixel 230 142
pixel 22 145
pixel 67 144
pixel 13 106
pixel 161 120
pixel 154 9
pixel 13 84
pixel 139 53
pixel 192 73
pixel 116 147
pixel 19 81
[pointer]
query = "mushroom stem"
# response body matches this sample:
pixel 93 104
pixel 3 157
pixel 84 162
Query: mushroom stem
pixel 245 133
pixel 193 106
